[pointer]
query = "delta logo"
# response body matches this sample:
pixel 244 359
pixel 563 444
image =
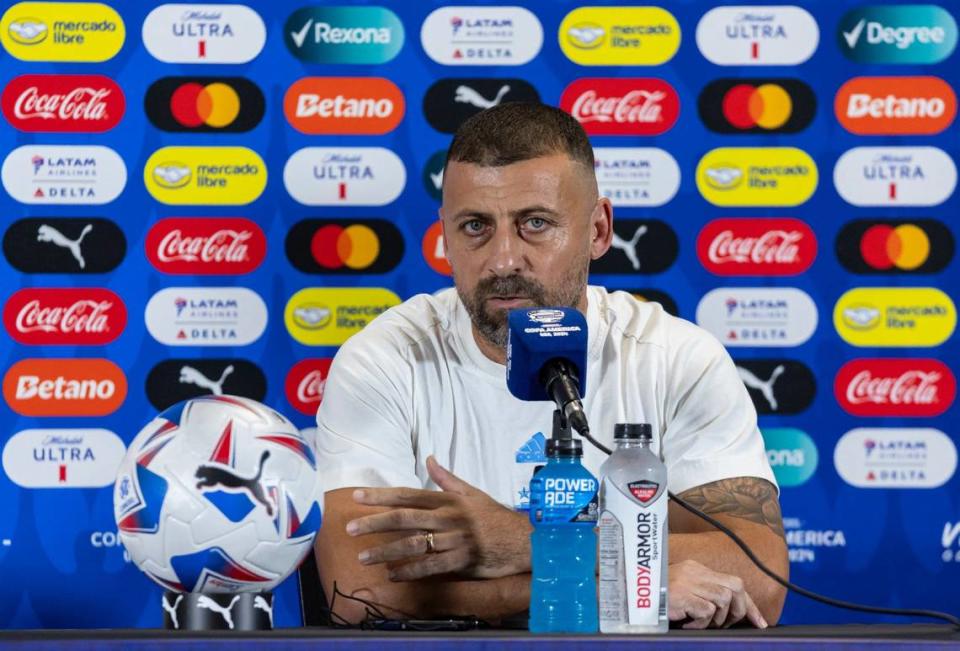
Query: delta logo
pixel 205 245
pixel 757 35
pixel 636 176
pixel 619 36
pixel 64 174
pixel 63 458
pixel 882 106
pixel 201 33
pixel 65 316
pixel 891 246
pixel 366 35
pixel 895 388
pixel 344 176
pixel 204 104
pixel 898 34
pixel 622 106
pixel 64 387
pixel 757 176
pixel 344 105
pixel 305 383
pixel 756 247
pixel 341 246
pixel 895 316
pixel 505 36
pixel 758 316
pixel 329 316
pixel 434 252
pixel 887 457
pixel 63 103
pixel 205 175
pixel 757 105
pixel 206 316
pixel 895 176
pixel 87 32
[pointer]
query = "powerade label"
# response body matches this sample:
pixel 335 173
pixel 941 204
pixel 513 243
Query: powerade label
pixel 563 499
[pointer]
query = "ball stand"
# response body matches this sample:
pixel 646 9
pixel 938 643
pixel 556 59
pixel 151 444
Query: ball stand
pixel 240 611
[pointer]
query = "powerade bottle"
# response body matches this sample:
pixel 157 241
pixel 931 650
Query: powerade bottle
pixel 563 511
pixel 633 535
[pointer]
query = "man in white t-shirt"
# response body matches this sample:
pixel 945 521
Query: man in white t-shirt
pixel 425 456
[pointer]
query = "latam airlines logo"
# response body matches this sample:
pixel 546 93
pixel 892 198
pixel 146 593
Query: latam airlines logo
pixel 63 458
pixel 63 103
pixel 64 245
pixel 608 106
pixel 757 105
pixel 895 316
pixel 756 247
pixel 329 316
pixel 67 316
pixel 344 176
pixel 895 458
pixel 206 316
pixel 907 34
pixel 64 387
pixel 305 384
pixel 180 176
pixel 344 105
pixel 619 36
pixel 64 174
pixel 206 245
pixel 896 388
pixel 781 35
pixel 892 246
pixel 341 246
pixel 636 176
pixel 895 105
pixel 757 176
pixel 759 317
pixel 62 31
pixel 470 36
pixel 204 104
pixel 202 33
pixel 343 34
pixel 895 176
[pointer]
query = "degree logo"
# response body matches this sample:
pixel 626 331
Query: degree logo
pixel 204 104
pixel 757 35
pixel 329 316
pixel 64 387
pixel 757 105
pixel 895 105
pixel 891 246
pixel 201 33
pixel 343 34
pixel 341 246
pixel 907 34
pixel 757 176
pixel 344 105
pixel 62 31
pixel 433 249
pixel 895 176
pixel 895 316
pixel 619 36
pixel 205 175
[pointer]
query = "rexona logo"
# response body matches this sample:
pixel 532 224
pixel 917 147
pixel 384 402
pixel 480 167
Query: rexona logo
pixel 757 176
pixel 329 316
pixel 63 103
pixel 433 249
pixel 343 34
pixel 792 455
pixel 64 387
pixel 201 33
pixel 619 36
pixel 490 36
pixel 893 246
pixel 756 247
pixel 232 176
pixel 753 35
pixel 636 176
pixel 63 458
pixel 895 316
pixel 895 458
pixel 777 386
pixel 640 246
pixel 895 105
pixel 206 245
pixel 757 105
pixel 344 176
pixel 448 102
pixel 62 31
pixel 760 317
pixel 204 104
pixel 305 383
pixel 68 316
pixel 344 105
pixel 64 245
pixel 174 380
pixel 895 176
pixel 908 34
pixel 344 246
pixel 608 106
pixel 64 174
pixel 206 316
pixel 433 174
pixel 895 387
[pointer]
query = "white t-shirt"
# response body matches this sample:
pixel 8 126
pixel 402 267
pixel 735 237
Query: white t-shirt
pixel 414 383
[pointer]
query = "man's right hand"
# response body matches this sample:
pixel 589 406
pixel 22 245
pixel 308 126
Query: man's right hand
pixel 709 599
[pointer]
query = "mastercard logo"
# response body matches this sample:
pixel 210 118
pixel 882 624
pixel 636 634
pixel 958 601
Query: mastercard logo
pixel 204 104
pixel 757 105
pixel 335 246
pixel 355 246
pixel 895 246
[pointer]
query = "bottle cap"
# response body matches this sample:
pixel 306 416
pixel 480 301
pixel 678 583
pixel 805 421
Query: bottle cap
pixel 564 447
pixel 633 431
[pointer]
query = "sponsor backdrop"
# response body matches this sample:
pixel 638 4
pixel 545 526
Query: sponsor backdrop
pixel 206 199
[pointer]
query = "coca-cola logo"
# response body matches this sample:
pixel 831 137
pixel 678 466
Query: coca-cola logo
pixel 193 245
pixel 639 106
pixel 756 247
pixel 305 384
pixel 895 387
pixel 59 103
pixel 76 317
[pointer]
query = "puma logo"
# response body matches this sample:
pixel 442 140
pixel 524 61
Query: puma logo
pixel 172 610
pixel 467 95
pixel 629 247
pixel 437 179
pixel 261 603
pixel 190 375
pixel 763 386
pixel 210 475
pixel 48 233
pixel 203 601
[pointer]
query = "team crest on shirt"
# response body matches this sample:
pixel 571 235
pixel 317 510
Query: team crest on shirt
pixel 528 456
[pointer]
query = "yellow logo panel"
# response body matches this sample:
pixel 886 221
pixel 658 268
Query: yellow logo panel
pixel 895 316
pixel 328 316
pixel 757 176
pixel 62 31
pixel 619 36
pixel 205 175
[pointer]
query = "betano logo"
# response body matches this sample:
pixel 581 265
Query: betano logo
pixel 204 104
pixel 344 105
pixel 872 246
pixel 757 105
pixel 434 251
pixel 895 176
pixel 619 36
pixel 329 316
pixel 341 246
pixel 792 455
pixel 62 31
pixel 757 35
pixel 343 34
pixel 64 387
pixel 907 34
pixel 757 176
pixel 880 106
pixel 205 175
pixel 895 316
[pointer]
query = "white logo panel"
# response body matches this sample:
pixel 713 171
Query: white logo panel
pixel 63 458
pixel 344 176
pixel 470 36
pixel 895 457
pixel 895 176
pixel 206 316
pixel 760 317
pixel 64 174
pixel 201 33
pixel 636 176
pixel 757 35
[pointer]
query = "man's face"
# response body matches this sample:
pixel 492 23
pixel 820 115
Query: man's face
pixel 521 236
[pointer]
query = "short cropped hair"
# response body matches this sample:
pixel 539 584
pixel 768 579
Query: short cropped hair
pixel 517 131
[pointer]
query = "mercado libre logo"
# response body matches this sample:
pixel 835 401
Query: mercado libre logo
pixel 343 34
pixel 64 387
pixel 757 176
pixel 893 246
pixel 63 103
pixel 329 316
pixel 898 34
pixel 204 104
pixel 205 175
pixel 895 316
pixel 344 105
pixel 757 35
pixel 619 36
pixel 792 454
pixel 882 106
pixel 200 33
pixel 754 105
pixel 87 32
pixel 344 246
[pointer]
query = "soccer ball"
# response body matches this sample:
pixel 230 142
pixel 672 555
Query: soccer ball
pixel 218 494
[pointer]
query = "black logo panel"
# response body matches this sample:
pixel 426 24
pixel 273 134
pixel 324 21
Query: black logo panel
pixel 204 104
pixel 344 246
pixel 777 386
pixel 757 105
pixel 64 245
pixel 451 101
pixel 895 246
pixel 173 380
pixel 640 246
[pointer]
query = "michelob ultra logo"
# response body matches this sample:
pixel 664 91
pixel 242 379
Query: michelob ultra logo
pixel 344 176
pixel 757 35
pixel 199 33
pixel 879 106
pixel 619 36
pixel 343 34
pixel 329 316
pixel 757 176
pixel 62 31
pixel 895 176
pixel 64 387
pixel 205 175
pixel 895 316
pixel 908 34
pixel 63 458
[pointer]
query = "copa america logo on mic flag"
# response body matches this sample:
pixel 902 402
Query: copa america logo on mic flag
pixel 545 315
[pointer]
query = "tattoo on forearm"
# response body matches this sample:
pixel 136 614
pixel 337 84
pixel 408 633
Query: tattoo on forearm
pixel 749 498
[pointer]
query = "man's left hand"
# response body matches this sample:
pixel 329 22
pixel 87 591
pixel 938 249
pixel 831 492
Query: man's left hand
pixel 473 535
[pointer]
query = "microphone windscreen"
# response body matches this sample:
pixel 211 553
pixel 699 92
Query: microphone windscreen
pixel 538 335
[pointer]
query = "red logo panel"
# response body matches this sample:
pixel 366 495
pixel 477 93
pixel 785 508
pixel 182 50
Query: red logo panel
pixel 756 247
pixel 60 103
pixel 895 387
pixel 638 106
pixel 73 317
pixel 305 383
pixel 197 245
